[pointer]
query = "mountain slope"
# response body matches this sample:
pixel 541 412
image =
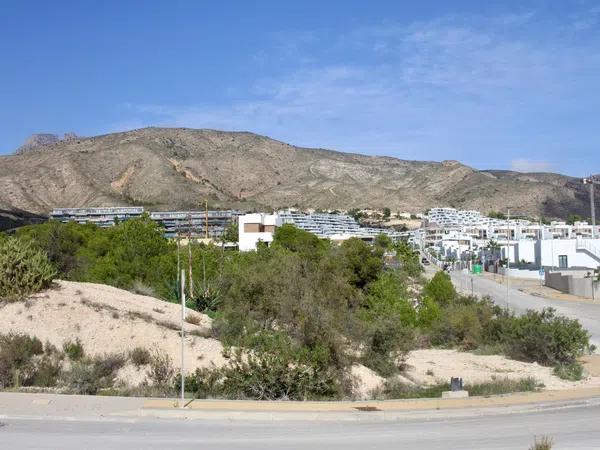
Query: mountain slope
pixel 178 168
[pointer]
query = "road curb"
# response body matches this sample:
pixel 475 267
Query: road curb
pixel 359 410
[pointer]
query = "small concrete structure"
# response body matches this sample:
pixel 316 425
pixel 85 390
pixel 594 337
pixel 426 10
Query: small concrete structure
pixel 575 282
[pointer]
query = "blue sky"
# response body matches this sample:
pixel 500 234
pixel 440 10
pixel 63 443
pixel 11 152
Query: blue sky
pixel 512 84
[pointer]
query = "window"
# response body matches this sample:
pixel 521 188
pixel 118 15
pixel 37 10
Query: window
pixel 563 262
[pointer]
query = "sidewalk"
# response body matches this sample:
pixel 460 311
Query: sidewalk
pixel 76 407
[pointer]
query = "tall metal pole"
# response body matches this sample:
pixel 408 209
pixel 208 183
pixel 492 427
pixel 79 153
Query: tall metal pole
pixel 182 336
pixel 593 209
pixel 508 240
pixel 507 256
pixel 190 281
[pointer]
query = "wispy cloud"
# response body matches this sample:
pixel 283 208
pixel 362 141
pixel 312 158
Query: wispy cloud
pixel 469 88
pixel 526 165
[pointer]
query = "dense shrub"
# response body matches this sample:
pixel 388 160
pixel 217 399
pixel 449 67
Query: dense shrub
pixel 160 370
pixel 571 372
pixel 89 375
pixel 140 356
pixel 267 376
pixel 24 361
pixel 17 365
pixel 24 270
pixel 74 349
pixel 545 338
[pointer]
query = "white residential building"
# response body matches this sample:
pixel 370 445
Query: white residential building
pixel 460 235
pixel 255 228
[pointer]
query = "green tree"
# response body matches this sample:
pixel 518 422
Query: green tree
pixel 231 233
pixel 386 212
pixel 574 218
pixel 363 262
pixel 65 244
pixel 383 241
pixel 440 289
pixel 138 252
pixel 294 239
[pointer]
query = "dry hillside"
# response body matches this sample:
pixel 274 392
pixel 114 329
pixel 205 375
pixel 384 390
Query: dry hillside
pixel 178 168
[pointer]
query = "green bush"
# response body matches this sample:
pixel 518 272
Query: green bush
pixel 87 376
pixel 545 338
pixel 24 361
pixel 160 370
pixel 266 376
pixel 17 365
pixel 140 356
pixel 571 372
pixel 24 270
pixel 501 386
pixel 74 349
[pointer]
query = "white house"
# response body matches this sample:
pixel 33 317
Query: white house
pixel 255 228
pixel 568 253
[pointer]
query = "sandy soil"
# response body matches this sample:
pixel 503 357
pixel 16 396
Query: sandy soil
pixel 434 365
pixel 367 379
pixel 109 320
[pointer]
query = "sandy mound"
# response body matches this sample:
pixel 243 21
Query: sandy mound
pixel 432 366
pixel 367 381
pixel 108 320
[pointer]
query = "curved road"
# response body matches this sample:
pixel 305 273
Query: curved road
pixel 574 427
pixel 588 313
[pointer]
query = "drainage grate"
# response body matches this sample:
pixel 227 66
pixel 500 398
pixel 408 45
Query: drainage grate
pixel 367 408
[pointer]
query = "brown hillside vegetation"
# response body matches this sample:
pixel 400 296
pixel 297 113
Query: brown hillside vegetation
pixel 178 168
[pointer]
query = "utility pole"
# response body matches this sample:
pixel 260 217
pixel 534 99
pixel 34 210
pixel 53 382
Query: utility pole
pixel 592 181
pixel 191 281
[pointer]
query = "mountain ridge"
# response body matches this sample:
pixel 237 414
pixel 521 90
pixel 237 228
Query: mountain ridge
pixel 179 167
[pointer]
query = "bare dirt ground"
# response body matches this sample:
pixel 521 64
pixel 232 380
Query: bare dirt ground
pixel 109 320
pixel 434 365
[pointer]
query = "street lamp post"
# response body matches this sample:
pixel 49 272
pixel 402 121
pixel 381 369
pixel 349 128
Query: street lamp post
pixel 182 337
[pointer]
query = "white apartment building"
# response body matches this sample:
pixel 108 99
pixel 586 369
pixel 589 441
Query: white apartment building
pixel 459 235
pixel 336 227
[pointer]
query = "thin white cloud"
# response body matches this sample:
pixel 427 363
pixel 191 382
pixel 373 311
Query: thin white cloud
pixel 526 165
pixel 450 88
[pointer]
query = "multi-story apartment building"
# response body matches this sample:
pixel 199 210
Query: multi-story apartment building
pixel 198 224
pixel 336 227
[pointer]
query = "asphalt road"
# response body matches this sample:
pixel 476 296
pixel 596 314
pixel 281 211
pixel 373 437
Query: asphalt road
pixel 587 313
pixel 571 428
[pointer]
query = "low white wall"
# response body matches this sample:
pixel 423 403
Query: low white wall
pixel 519 273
